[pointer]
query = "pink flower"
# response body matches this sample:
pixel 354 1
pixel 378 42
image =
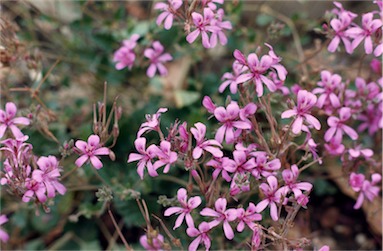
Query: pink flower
pixel 231 78
pixel 17 150
pixel 144 157
pixel 202 144
pixel 370 91
pixel 358 151
pixel 324 248
pixel 208 104
pixel 264 166
pixel 290 178
pixel 356 181
pixel 34 188
pixel 201 235
pixel 330 85
pixel 376 66
pixel 218 33
pixel 371 119
pixel 8 120
pixel 334 148
pixel 306 101
pixel 368 189
pixel 221 215
pixel 273 196
pixel 157 58
pixel 279 83
pixel 165 156
pixel 229 119
pixel 152 122
pixel 247 217
pixel 125 56
pixel 218 168
pixel 3 235
pixel 202 24
pixel 340 27
pixel 90 150
pixel 211 3
pixel 338 127
pixel 186 207
pixel 240 163
pixel 168 12
pixel 49 174
pixel 256 238
pixel 369 27
pixel 154 243
pixel 280 69
pixel 258 69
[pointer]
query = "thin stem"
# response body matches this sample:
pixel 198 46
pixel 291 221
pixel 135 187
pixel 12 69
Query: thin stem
pixel 266 9
pixel 309 164
pixel 68 173
pixel 175 241
pixel 36 90
pixel 119 231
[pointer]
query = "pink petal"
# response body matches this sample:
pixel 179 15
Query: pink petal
pixel 21 120
pixel 297 125
pixel 209 212
pixel 161 17
pixel 2 130
pixel 329 134
pixel 16 131
pixel 192 36
pixel 229 233
pixel 172 210
pixel 313 121
pixel 95 162
pixel 273 211
pixel 179 221
pixel 151 70
pixel 350 132
pixel 102 151
pixel 288 114
pixel 81 160
pixel 93 140
pixel 10 109
pixel 261 205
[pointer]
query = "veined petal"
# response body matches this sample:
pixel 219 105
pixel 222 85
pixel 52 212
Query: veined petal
pixel 95 162
pixel 101 151
pixel 173 210
pixel 81 160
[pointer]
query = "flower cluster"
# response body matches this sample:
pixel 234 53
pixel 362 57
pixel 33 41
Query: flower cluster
pixel 265 70
pixel 352 35
pixel 36 184
pixel 125 56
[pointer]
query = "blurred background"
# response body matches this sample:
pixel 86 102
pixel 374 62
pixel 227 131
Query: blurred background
pixel 72 43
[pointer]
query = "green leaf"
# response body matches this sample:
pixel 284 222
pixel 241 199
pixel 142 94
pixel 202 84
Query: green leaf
pixel 263 19
pixel 323 187
pixel 185 98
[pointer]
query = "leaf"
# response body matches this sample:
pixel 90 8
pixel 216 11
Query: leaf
pixel 64 11
pixel 263 19
pixel 185 98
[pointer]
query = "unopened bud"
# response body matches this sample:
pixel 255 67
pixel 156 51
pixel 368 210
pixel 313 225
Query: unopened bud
pixel 112 156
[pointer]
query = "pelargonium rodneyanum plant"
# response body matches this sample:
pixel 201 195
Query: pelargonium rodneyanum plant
pixel 245 180
pixel 247 168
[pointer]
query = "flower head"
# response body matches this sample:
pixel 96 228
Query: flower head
pixel 305 102
pixel 125 55
pixel 186 207
pixel 90 150
pixel 168 11
pixel 157 57
pixel 8 120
